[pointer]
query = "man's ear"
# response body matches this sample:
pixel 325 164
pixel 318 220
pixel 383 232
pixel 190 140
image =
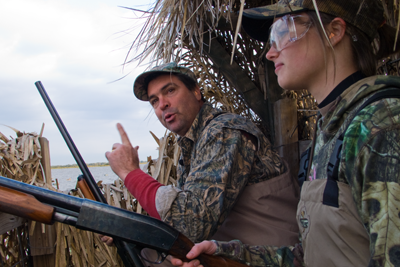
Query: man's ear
pixel 336 30
pixel 197 93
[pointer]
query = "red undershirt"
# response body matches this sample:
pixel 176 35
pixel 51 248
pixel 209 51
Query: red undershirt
pixel 144 188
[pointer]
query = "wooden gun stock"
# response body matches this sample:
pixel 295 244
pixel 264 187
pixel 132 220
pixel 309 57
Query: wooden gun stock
pixel 25 206
pixel 83 186
pixel 183 245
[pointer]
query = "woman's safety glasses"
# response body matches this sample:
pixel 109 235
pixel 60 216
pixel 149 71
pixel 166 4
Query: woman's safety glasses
pixel 287 30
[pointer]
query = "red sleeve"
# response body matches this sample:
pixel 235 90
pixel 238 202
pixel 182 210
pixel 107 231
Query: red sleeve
pixel 144 188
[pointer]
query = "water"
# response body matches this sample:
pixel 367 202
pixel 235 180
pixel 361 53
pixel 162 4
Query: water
pixel 67 177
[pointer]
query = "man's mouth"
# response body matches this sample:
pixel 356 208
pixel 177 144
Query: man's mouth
pixel 169 117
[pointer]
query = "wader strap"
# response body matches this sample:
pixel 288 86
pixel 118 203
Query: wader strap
pixel 307 156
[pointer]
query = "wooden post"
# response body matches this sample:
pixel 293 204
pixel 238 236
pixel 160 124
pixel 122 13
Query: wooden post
pixel 303 145
pixel 42 243
pixel 45 148
pixel 286 137
pixel 43 237
pixel 235 75
pixel 9 222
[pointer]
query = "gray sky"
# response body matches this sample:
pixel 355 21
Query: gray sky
pixel 75 48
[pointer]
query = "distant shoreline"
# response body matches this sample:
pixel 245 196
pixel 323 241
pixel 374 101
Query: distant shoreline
pixel 99 164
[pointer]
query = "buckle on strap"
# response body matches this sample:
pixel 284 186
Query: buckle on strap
pixel 304 161
pixel 331 192
pixel 334 160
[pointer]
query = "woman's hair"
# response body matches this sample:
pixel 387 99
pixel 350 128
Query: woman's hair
pixel 365 51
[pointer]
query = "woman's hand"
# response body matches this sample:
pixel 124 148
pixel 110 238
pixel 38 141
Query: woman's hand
pixel 206 247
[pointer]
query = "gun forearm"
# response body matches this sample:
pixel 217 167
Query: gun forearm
pixel 27 206
pixel 24 205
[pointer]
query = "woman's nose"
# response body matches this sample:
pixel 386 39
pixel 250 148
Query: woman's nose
pixel 272 53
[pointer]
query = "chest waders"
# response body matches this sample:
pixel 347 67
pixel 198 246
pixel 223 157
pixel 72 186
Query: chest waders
pixel 331 229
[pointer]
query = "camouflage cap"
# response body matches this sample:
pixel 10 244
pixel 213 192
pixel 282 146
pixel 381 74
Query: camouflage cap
pixel 366 15
pixel 141 82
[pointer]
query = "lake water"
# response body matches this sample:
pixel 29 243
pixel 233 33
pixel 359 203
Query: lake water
pixel 67 177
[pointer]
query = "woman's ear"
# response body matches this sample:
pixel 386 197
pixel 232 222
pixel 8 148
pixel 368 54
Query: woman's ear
pixel 336 30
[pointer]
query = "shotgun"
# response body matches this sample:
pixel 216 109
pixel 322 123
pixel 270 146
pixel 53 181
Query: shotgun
pixel 47 207
pixel 86 182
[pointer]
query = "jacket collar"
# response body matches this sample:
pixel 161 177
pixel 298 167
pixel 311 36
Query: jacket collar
pixel 353 96
pixel 205 115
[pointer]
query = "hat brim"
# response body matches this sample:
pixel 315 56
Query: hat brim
pixel 257 21
pixel 139 85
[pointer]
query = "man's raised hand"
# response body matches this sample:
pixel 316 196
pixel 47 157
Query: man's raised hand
pixel 123 158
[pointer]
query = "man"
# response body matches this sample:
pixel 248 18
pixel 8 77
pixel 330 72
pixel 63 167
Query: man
pixel 225 160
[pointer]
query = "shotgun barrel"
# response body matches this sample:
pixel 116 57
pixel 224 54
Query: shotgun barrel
pixel 70 143
pixel 128 253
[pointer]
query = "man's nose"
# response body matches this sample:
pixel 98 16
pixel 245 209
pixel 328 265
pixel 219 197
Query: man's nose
pixel 164 103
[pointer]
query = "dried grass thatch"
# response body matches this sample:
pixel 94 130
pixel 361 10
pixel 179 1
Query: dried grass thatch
pixel 175 30
pixel 21 160
pixel 14 247
pixel 76 247
pixel 174 27
pixel 164 168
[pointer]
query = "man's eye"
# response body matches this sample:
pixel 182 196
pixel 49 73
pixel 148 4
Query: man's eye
pixel 153 102
pixel 170 90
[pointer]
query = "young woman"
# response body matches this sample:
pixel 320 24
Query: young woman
pixel 348 215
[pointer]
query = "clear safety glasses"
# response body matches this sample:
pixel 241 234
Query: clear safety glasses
pixel 287 30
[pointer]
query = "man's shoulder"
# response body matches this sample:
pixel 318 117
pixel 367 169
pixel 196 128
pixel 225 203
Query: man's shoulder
pixel 232 121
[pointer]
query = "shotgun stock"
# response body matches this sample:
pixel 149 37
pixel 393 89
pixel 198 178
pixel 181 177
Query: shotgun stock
pixel 47 206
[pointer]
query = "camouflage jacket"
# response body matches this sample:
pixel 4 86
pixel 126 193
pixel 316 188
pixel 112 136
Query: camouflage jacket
pixel 370 164
pixel 218 160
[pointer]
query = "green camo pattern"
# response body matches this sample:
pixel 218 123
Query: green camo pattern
pixel 370 164
pixel 218 162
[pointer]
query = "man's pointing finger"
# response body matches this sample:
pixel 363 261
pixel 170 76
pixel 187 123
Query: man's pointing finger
pixel 124 136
